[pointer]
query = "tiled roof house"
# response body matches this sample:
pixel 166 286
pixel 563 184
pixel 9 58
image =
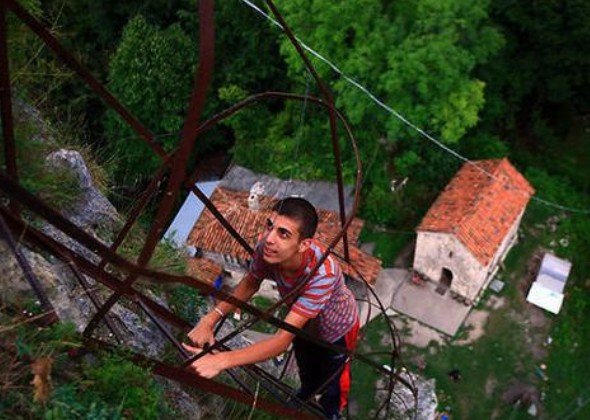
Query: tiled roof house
pixel 214 242
pixel 471 226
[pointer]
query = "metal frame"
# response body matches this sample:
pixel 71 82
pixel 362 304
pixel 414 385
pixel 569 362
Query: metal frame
pixel 174 169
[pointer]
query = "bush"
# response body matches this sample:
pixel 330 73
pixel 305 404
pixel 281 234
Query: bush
pixel 103 387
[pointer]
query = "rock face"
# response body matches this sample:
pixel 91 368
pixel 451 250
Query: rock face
pixel 403 405
pixel 92 212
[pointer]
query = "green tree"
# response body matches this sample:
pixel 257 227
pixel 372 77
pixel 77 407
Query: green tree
pixel 537 91
pixel 151 73
pixel 418 56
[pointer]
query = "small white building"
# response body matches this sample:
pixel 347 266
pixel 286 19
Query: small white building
pixel 470 228
pixel 547 290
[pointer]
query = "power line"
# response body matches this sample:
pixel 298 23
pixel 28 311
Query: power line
pixel 403 119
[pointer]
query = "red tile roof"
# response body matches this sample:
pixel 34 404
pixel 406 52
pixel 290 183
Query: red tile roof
pixel 209 235
pixel 203 269
pixel 479 209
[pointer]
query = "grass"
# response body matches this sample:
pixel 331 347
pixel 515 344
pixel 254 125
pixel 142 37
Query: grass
pixel 387 245
pixel 363 375
pixel 503 355
pixel 263 304
pixel 97 386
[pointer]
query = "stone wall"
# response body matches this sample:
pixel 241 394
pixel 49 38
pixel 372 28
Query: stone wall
pixel 435 251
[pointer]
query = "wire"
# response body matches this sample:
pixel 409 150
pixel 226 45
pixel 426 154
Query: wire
pixel 403 119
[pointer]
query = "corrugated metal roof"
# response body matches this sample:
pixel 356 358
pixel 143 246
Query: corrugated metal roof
pixel 321 194
pixel 551 283
pixel 555 267
pixel 547 290
pixel 545 298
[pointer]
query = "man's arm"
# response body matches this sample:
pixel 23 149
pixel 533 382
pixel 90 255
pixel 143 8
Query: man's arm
pixel 202 333
pixel 211 365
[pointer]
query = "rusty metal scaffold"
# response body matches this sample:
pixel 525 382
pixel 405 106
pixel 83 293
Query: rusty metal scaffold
pixel 120 275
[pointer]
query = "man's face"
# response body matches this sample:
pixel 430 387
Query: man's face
pixel 281 239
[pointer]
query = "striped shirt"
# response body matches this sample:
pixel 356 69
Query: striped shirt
pixel 325 297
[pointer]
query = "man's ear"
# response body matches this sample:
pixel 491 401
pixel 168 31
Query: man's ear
pixel 304 245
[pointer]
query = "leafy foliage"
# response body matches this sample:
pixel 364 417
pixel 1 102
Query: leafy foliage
pixel 59 187
pixel 417 56
pixel 187 302
pixel 153 81
pixel 109 387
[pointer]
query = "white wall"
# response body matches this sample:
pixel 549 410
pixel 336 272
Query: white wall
pixel 505 246
pixel 435 251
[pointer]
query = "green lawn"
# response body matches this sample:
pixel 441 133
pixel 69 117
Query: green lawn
pixel 503 355
pixel 387 244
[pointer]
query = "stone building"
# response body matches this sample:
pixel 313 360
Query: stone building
pixel 470 228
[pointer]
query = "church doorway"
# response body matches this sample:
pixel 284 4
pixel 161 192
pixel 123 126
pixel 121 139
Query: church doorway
pixel 444 284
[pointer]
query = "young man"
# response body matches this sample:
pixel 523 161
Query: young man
pixel 325 307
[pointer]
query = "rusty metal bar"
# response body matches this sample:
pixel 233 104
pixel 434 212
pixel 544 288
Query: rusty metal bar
pixel 135 212
pixel 181 156
pixel 26 268
pixel 188 378
pixel 332 116
pixel 189 130
pixel 183 353
pixel 6 104
pixel 95 301
pixel 221 219
pixel 37 206
pixel 137 209
pixel 84 74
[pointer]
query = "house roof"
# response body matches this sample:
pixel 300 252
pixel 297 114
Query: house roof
pixel 188 214
pixel 322 194
pixel 203 269
pixel 209 235
pixel 480 209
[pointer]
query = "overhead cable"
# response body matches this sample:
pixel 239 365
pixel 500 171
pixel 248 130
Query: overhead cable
pixel 403 119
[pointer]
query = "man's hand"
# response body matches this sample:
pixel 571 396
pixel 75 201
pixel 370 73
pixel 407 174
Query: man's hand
pixel 202 333
pixel 208 366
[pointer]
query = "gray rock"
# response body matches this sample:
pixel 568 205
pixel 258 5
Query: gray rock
pixel 403 405
pixel 92 209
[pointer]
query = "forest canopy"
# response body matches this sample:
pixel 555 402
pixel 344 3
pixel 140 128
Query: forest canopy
pixel 457 80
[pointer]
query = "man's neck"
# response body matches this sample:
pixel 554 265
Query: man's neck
pixel 291 267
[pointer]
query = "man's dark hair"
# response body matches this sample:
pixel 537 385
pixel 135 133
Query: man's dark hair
pixel 301 210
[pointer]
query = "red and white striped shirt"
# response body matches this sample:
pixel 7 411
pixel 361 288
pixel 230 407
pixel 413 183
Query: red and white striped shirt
pixel 325 296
